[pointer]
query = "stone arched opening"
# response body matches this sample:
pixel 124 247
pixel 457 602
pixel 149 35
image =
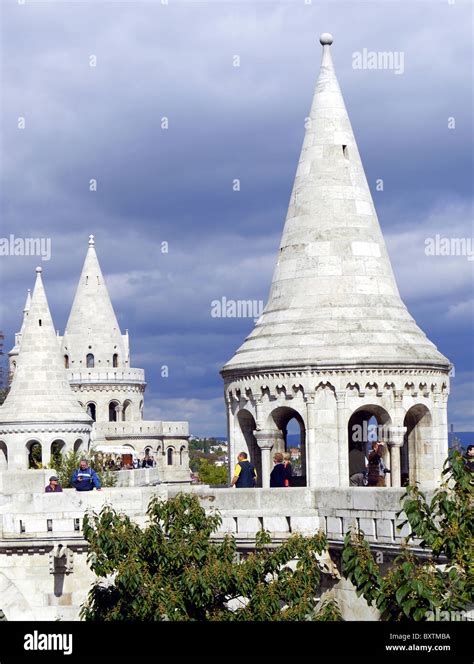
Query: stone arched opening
pixel 416 458
pixel 3 456
pixel 92 410
pixel 34 453
pixel 246 442
pixel 79 446
pixel 366 424
pixel 58 449
pixel 170 456
pixel 292 440
pixel 113 413
pixel 127 411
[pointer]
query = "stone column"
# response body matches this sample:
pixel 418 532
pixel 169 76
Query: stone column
pixel 439 434
pixel 259 413
pixel 342 442
pixel 266 440
pixel 394 478
pixel 45 454
pixel 231 438
pixel 396 436
pixel 310 441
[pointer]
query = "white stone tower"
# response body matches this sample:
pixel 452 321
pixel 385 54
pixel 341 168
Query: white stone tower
pixel 335 348
pixel 97 354
pixel 40 407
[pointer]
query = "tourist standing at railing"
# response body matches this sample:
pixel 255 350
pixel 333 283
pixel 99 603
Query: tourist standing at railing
pixel 148 461
pixel 376 468
pixel 245 475
pixel 85 478
pixel 278 476
pixel 53 486
pixel 288 468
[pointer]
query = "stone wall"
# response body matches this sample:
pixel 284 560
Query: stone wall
pixel 43 554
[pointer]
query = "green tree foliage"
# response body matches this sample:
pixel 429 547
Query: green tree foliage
pixel 329 611
pixel 34 457
pixel 66 464
pixel 173 570
pixel 210 474
pixel 414 587
pixel 200 448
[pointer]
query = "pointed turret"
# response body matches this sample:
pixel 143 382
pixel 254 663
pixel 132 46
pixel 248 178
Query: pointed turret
pixel 13 353
pixel 92 338
pixel 40 391
pixel 27 306
pixel 333 300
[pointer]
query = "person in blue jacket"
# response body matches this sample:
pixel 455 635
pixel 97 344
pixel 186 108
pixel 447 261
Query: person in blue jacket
pixel 279 473
pixel 84 478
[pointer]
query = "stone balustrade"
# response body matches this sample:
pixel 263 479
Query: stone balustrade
pixel 113 376
pixel 244 511
pixel 141 428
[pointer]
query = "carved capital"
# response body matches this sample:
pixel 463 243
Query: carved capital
pixel 267 438
pixel 341 398
pixel 398 396
pixel 396 436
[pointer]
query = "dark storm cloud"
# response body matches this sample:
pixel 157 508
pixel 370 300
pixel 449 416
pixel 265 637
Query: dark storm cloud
pixel 175 185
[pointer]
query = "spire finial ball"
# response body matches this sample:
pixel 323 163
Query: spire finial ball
pixel 91 241
pixel 326 39
pixel 39 270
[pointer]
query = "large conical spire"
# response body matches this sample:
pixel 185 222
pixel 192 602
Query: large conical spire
pixel 92 328
pixel 333 299
pixel 40 391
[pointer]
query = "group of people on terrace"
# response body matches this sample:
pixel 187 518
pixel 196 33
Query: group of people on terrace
pixel 245 473
pixel 85 477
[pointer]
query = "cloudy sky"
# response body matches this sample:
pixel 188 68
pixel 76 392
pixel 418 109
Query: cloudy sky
pixel 174 185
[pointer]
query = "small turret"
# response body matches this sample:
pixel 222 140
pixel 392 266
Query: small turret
pixel 92 339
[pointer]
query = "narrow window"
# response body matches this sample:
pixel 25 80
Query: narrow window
pixel 66 361
pixel 39 322
pixel 90 361
pixel 115 360
pixel 170 456
pixel 345 151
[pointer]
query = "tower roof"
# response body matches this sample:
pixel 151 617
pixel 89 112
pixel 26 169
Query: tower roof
pixel 40 391
pixel 333 299
pixel 92 327
pixel 16 348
